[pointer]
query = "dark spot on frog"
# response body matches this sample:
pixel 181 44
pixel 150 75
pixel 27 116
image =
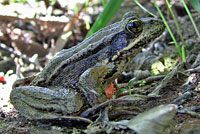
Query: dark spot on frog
pixel 119 41
pixel 111 73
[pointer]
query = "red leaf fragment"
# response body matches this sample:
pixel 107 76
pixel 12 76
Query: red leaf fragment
pixel 2 80
pixel 110 91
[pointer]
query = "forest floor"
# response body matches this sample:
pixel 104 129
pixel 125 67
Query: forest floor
pixel 28 37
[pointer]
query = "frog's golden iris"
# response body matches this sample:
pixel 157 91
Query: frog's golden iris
pixel 134 26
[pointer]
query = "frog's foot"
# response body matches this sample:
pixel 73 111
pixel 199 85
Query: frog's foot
pixel 35 102
pixel 102 123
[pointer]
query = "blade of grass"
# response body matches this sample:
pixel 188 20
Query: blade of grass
pixel 191 19
pixel 86 3
pixel 143 8
pixel 179 30
pixel 111 8
pixel 183 53
pixel 168 28
pixel 104 3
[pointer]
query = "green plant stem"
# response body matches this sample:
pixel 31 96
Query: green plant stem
pixel 183 53
pixel 179 31
pixel 190 16
pixel 143 8
pixel 168 28
pixel 129 91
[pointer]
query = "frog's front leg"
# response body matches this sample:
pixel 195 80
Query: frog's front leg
pixel 35 102
pixel 94 81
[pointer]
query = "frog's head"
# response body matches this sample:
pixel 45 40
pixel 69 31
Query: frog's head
pixel 139 32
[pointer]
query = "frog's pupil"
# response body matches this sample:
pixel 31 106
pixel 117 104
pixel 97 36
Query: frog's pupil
pixel 133 26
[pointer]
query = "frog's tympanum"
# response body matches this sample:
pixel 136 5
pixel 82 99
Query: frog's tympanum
pixel 76 78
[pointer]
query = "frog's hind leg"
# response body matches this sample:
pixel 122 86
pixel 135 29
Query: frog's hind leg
pixel 35 102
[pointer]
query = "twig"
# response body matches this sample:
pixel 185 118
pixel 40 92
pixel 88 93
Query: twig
pixel 192 113
pixel 181 99
pixel 10 50
pixel 193 70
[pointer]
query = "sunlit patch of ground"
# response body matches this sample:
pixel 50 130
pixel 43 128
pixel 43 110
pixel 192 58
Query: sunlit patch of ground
pixel 5 90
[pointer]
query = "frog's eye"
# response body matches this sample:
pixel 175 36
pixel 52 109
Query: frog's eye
pixel 134 26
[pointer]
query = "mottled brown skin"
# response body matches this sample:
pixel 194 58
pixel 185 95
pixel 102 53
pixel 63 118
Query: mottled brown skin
pixel 79 76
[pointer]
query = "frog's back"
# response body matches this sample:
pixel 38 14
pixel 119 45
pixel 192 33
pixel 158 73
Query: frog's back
pixel 86 44
pixel 70 54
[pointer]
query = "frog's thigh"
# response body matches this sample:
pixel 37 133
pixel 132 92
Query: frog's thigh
pixel 92 83
pixel 38 102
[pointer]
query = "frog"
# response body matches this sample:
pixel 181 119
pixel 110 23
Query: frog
pixel 75 79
